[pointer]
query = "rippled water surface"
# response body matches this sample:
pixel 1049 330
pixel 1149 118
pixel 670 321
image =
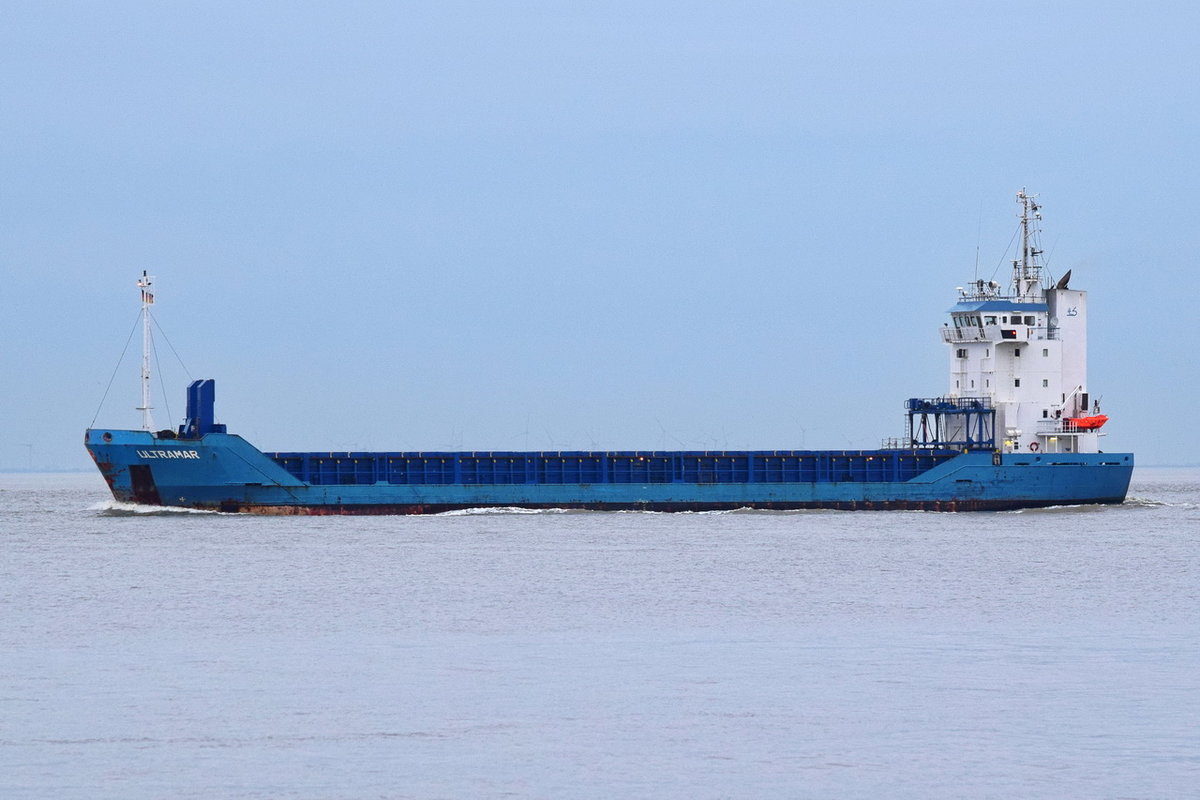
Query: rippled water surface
pixel 1049 653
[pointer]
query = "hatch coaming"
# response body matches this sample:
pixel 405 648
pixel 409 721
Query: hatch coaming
pixel 618 467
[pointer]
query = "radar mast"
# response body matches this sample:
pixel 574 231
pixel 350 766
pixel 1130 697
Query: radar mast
pixel 1027 270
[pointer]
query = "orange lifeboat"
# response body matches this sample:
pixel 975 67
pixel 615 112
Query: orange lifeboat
pixel 1087 423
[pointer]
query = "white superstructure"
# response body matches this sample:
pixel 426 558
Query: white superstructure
pixel 1025 352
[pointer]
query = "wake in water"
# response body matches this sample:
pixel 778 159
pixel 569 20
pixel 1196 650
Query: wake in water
pixel 1146 502
pixel 115 508
pixel 1130 503
pixel 1089 508
pixel 501 510
pixel 472 512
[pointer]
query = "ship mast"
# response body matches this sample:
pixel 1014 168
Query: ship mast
pixel 1027 271
pixel 144 284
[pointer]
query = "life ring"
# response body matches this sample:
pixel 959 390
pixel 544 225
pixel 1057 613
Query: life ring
pixel 1033 446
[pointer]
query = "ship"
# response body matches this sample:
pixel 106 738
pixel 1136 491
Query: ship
pixel 1016 428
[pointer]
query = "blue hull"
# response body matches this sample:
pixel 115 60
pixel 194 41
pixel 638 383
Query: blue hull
pixel 223 472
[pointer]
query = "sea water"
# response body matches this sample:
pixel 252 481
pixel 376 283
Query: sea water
pixel 151 654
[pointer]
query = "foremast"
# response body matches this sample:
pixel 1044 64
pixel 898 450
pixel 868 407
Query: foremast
pixel 144 283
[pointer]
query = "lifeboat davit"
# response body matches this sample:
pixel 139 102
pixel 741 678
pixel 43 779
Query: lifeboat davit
pixel 1087 423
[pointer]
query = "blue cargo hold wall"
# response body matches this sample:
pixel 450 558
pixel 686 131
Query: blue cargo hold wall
pixel 325 469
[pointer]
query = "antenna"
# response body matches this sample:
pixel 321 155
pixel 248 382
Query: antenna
pixel 1027 270
pixel 144 283
pixel 978 239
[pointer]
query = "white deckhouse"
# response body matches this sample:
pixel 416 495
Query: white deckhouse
pixel 1025 354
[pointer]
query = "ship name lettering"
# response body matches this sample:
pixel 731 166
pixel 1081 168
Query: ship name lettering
pixel 168 454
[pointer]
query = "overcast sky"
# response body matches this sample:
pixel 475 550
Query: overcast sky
pixel 555 225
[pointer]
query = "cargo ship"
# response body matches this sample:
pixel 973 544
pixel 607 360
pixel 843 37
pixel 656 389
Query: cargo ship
pixel 1016 428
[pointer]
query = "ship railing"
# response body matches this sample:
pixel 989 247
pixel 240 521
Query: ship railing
pixel 1040 334
pixel 1065 426
pixel 932 405
pixel 998 333
pixel 964 335
pixel 905 443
